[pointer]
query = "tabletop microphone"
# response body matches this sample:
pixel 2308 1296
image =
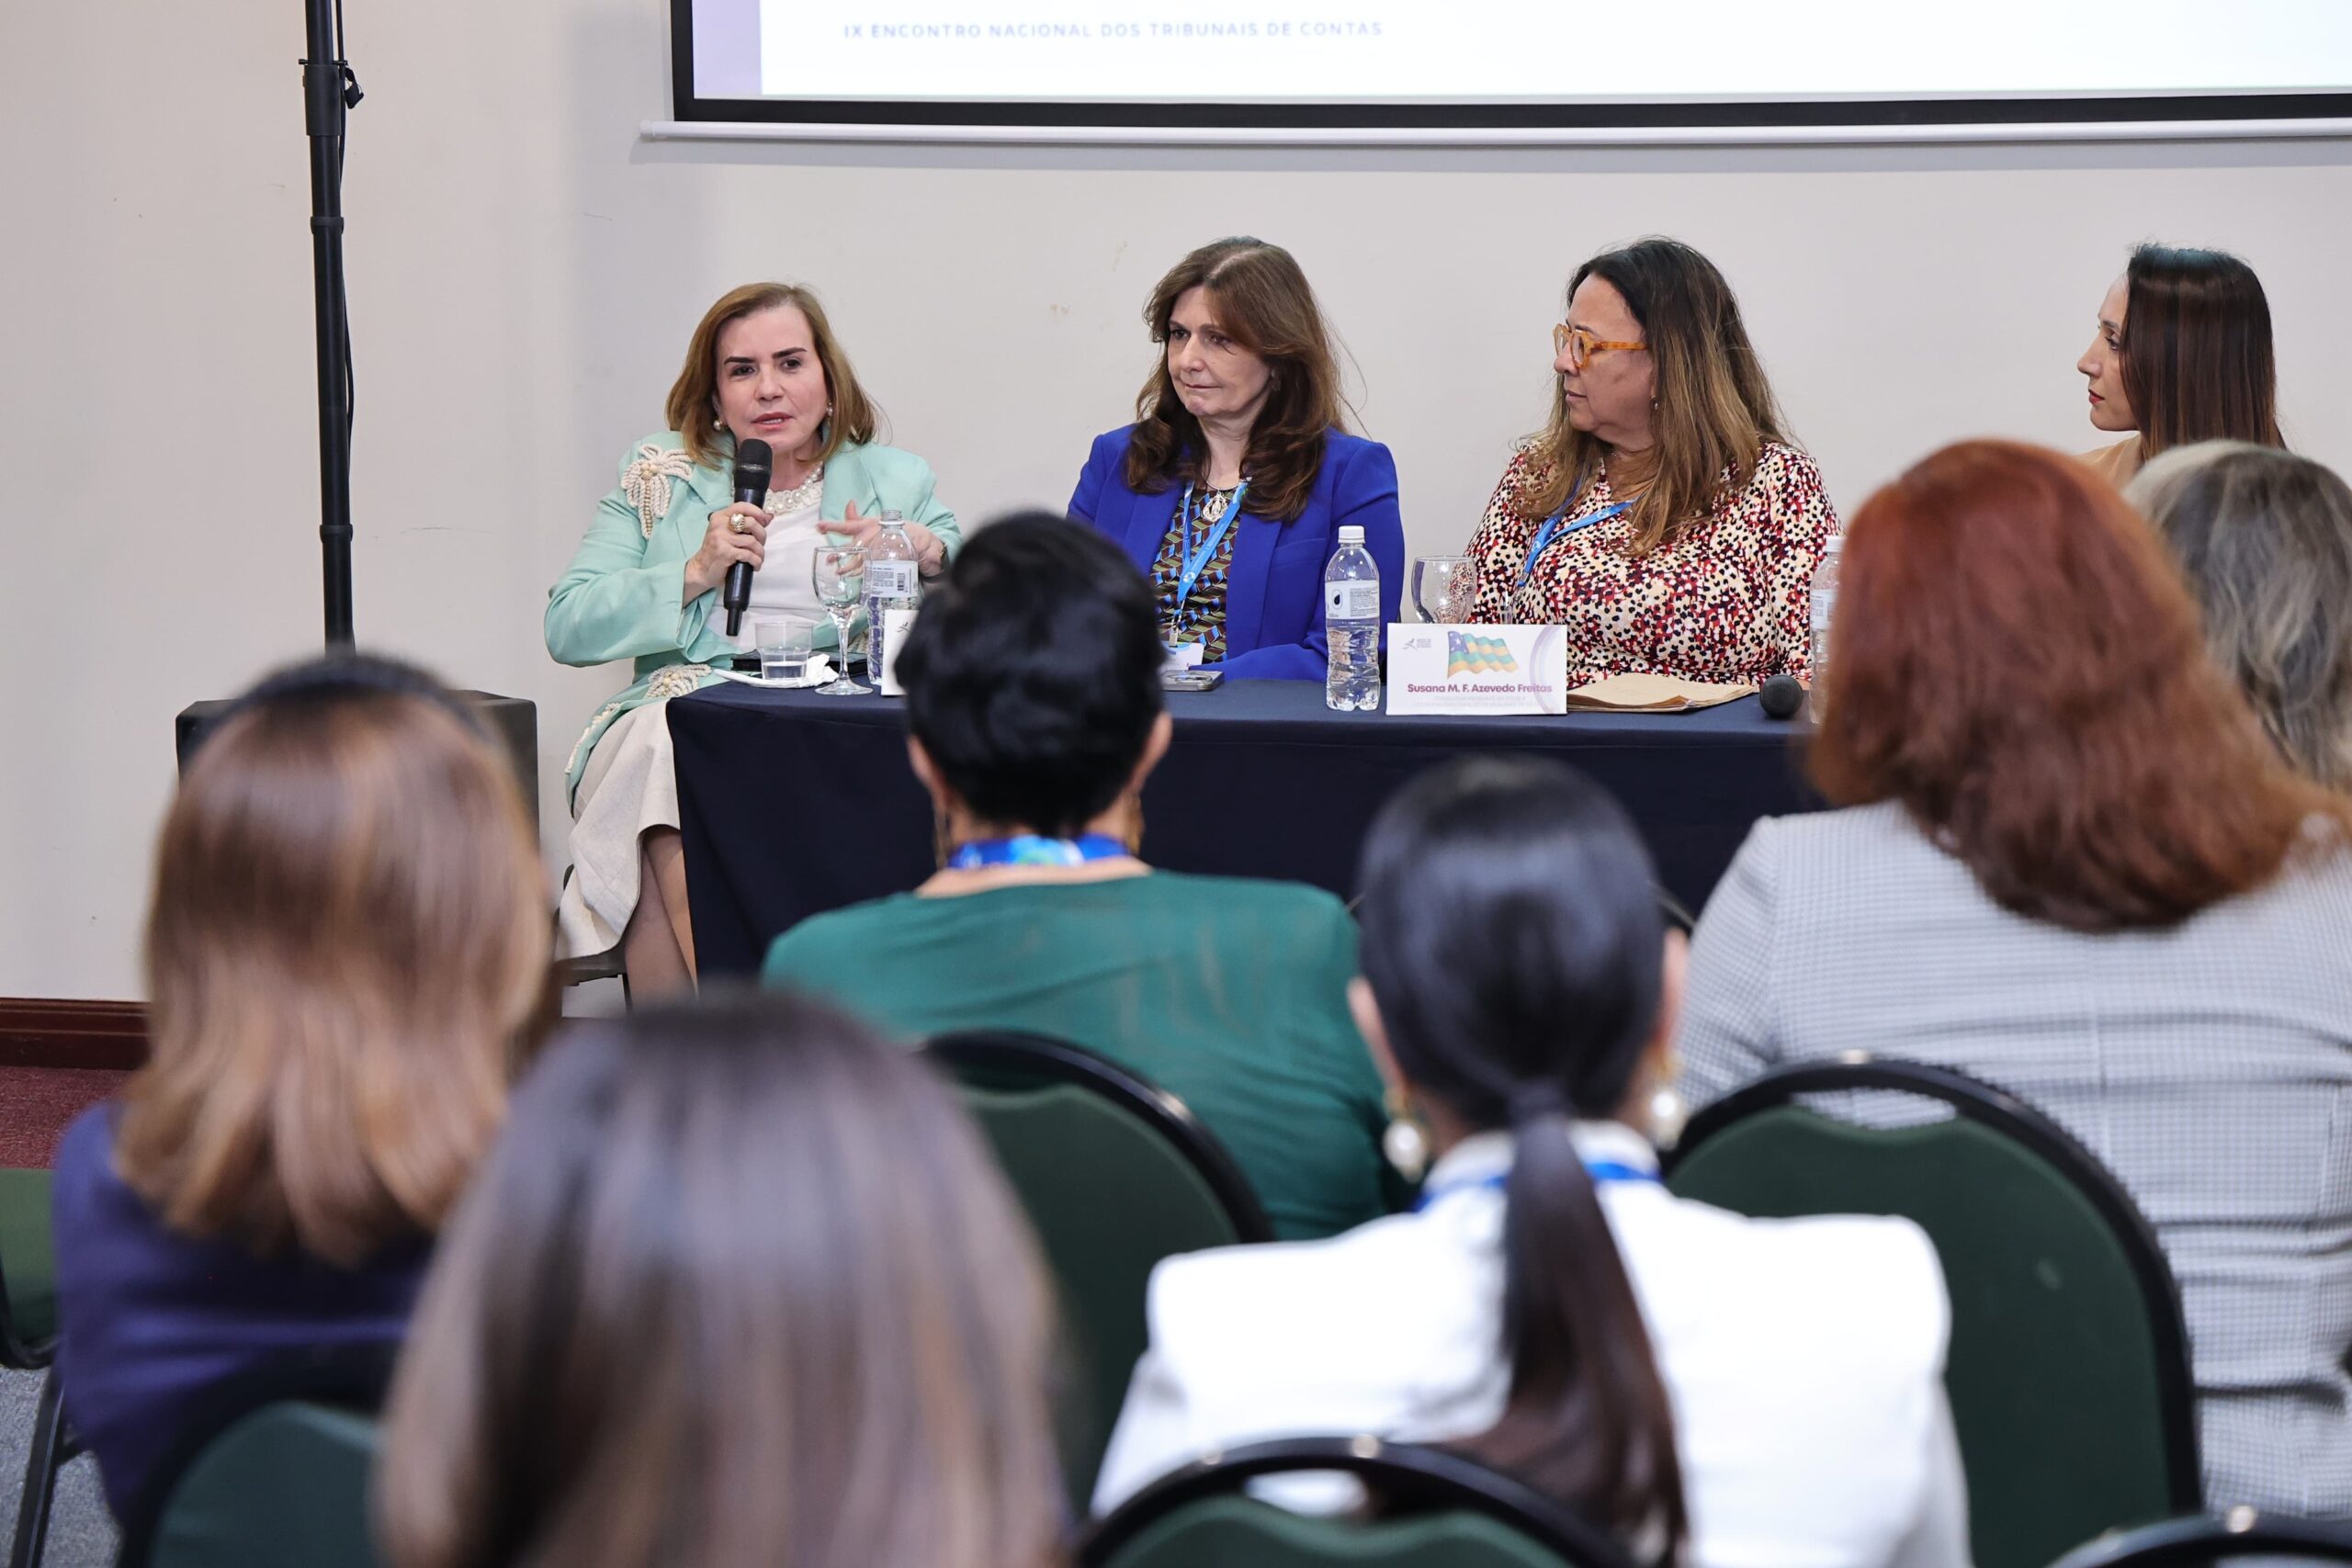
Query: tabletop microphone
pixel 753 463
pixel 1781 695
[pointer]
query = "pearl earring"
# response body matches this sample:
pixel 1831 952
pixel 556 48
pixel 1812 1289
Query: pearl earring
pixel 1404 1143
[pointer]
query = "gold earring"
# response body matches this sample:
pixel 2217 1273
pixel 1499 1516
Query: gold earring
pixel 1404 1143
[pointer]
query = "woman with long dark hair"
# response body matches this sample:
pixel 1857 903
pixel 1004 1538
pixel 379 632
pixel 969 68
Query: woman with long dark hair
pixel 740 1284
pixel 1230 488
pixel 2182 355
pixel 2068 860
pixel 1710 1388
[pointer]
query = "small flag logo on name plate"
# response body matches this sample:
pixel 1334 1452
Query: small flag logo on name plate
pixel 1477 654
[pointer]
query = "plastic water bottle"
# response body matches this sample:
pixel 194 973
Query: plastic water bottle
pixel 1824 606
pixel 893 581
pixel 1352 621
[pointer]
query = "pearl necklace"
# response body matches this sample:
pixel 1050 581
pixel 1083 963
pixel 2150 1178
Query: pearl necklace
pixel 808 492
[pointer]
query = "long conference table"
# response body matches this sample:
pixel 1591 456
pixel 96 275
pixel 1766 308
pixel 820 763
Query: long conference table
pixel 793 804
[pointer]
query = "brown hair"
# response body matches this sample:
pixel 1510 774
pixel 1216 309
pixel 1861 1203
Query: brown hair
pixel 692 410
pixel 2197 358
pixel 347 960
pixel 740 1284
pixel 1264 304
pixel 2016 660
pixel 2266 538
pixel 1716 410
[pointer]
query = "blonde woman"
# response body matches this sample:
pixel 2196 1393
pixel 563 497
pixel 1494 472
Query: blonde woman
pixel 346 964
pixel 1663 516
pixel 763 365
pixel 741 1285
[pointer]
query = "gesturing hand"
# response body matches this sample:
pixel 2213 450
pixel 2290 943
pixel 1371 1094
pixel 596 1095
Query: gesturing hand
pixel 739 532
pixel 931 553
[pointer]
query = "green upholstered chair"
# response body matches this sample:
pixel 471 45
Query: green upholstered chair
pixel 283 1486
pixel 2202 1538
pixel 27 1341
pixel 2069 1372
pixel 1115 1174
pixel 27 1271
pixel 1435 1509
pixel 270 1470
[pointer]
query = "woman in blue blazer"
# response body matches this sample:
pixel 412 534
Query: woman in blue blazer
pixel 1230 488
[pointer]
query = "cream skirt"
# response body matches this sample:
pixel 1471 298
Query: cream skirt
pixel 629 786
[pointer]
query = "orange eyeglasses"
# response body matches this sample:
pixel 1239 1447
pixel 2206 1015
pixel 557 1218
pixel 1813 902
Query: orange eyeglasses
pixel 1580 345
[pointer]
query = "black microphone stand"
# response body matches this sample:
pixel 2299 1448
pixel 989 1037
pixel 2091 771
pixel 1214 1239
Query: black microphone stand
pixel 329 92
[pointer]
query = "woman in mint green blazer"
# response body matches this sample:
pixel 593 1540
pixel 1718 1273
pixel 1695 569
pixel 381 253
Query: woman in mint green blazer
pixel 644 586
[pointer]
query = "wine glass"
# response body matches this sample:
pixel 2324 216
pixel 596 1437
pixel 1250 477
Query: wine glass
pixel 838 574
pixel 1442 588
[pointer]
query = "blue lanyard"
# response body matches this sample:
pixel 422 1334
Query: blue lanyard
pixel 1197 562
pixel 1030 849
pixel 1603 1172
pixel 1551 526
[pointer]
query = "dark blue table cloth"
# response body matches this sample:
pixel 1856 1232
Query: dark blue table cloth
pixel 793 804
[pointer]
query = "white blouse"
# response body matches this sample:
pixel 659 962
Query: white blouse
pixel 782 585
pixel 1804 1357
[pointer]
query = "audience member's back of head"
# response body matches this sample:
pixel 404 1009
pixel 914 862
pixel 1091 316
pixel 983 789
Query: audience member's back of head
pixel 2017 661
pixel 347 960
pixel 2266 538
pixel 1033 674
pixel 1513 945
pixel 740 1284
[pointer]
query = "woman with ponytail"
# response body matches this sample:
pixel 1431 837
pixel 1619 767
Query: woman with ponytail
pixel 1716 1390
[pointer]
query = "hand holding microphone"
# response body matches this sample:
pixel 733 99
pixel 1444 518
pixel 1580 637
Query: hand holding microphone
pixel 738 533
pixel 753 465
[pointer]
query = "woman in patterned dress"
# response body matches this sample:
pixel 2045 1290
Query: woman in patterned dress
pixel 1230 488
pixel 763 363
pixel 1662 517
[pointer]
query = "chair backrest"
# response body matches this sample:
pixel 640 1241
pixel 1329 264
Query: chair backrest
pixel 269 1468
pixel 2213 1538
pixel 2069 1373
pixel 285 1486
pixel 27 1271
pixel 1434 1509
pixel 1115 1174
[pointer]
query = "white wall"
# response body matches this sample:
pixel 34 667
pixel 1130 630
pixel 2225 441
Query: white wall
pixel 524 272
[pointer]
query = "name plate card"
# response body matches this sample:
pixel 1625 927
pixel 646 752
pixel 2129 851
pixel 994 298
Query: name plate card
pixel 1450 669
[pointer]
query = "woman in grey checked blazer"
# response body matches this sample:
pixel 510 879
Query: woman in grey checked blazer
pixel 2068 863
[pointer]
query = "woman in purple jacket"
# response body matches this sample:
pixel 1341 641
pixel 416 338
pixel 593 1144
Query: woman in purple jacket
pixel 1230 488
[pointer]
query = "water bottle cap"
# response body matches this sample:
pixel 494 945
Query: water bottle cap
pixel 1834 543
pixel 889 516
pixel 1351 533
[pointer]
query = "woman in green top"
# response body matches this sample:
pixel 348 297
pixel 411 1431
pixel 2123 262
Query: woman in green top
pixel 1032 693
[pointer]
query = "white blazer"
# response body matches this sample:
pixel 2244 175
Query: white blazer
pixel 1804 1357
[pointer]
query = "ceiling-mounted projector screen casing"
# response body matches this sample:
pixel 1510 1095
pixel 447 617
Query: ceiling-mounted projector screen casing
pixel 1501 64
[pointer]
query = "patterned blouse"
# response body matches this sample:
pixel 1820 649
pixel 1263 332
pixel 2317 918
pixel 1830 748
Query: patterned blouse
pixel 1200 617
pixel 1729 601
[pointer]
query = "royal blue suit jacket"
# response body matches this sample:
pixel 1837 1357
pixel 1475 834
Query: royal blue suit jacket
pixel 1273 599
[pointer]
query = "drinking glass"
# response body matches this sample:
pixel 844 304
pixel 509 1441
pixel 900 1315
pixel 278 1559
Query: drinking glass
pixel 838 574
pixel 1443 588
pixel 785 644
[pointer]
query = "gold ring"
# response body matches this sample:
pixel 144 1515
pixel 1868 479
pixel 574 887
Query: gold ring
pixel 736 523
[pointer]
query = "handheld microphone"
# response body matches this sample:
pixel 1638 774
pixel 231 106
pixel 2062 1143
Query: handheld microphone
pixel 1780 696
pixel 753 463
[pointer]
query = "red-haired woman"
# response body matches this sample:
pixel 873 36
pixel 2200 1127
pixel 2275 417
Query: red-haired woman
pixel 2070 863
